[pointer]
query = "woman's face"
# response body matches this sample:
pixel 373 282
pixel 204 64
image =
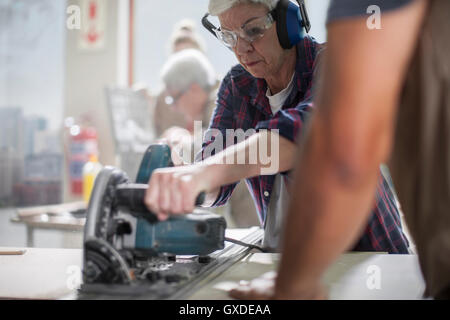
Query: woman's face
pixel 262 57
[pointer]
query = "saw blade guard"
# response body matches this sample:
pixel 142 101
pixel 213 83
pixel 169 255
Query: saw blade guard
pixel 102 263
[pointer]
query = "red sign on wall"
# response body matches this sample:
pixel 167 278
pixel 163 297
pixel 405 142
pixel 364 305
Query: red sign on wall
pixel 93 24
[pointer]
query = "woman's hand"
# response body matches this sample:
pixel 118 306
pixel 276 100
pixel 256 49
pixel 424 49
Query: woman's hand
pixel 174 190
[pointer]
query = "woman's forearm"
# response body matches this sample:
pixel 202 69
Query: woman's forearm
pixel 264 153
pixel 174 190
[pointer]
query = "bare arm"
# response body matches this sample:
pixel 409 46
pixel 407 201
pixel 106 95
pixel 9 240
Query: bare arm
pixel 278 158
pixel 351 134
pixel 173 190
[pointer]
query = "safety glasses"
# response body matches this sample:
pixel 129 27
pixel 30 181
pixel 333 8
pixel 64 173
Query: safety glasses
pixel 250 31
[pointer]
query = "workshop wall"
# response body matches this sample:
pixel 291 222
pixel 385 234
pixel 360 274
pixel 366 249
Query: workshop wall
pixel 88 72
pixel 32 37
pixel 317 11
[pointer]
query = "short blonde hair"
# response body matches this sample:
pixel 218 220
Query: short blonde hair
pixel 217 7
pixel 185 31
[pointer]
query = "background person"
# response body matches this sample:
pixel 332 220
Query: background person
pixel 184 36
pixel 190 90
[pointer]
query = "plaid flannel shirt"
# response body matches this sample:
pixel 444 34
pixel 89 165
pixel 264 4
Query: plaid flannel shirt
pixel 242 104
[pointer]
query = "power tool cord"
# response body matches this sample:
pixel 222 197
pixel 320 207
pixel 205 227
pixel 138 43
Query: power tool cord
pixel 251 246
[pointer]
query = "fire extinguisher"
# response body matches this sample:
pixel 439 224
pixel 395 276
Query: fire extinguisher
pixel 83 144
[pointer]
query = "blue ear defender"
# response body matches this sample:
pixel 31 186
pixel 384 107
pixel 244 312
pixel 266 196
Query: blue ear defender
pixel 292 21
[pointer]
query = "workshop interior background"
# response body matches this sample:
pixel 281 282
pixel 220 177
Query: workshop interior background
pixel 55 84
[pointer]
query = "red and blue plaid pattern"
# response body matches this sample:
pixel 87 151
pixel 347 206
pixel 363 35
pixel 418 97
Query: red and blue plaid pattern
pixel 242 104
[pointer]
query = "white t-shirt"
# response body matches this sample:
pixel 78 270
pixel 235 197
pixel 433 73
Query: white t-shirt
pixel 279 197
pixel 277 100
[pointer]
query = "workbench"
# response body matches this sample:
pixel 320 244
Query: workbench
pixel 51 217
pixel 54 274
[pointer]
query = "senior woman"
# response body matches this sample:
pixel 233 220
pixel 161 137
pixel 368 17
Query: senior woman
pixel 270 91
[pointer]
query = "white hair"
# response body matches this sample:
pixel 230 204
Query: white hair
pixel 187 67
pixel 217 7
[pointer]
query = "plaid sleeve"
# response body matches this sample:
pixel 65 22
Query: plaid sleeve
pixel 221 120
pixel 289 122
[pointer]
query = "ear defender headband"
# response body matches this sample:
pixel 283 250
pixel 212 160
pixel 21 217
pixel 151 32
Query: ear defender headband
pixel 291 19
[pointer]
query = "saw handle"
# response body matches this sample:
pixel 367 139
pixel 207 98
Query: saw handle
pixel 132 197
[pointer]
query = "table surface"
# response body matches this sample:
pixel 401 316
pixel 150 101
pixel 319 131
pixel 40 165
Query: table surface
pixel 354 276
pixel 52 217
pixel 39 273
pixel 54 273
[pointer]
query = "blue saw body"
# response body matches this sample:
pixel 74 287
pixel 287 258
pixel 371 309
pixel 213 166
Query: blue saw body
pixel 191 234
